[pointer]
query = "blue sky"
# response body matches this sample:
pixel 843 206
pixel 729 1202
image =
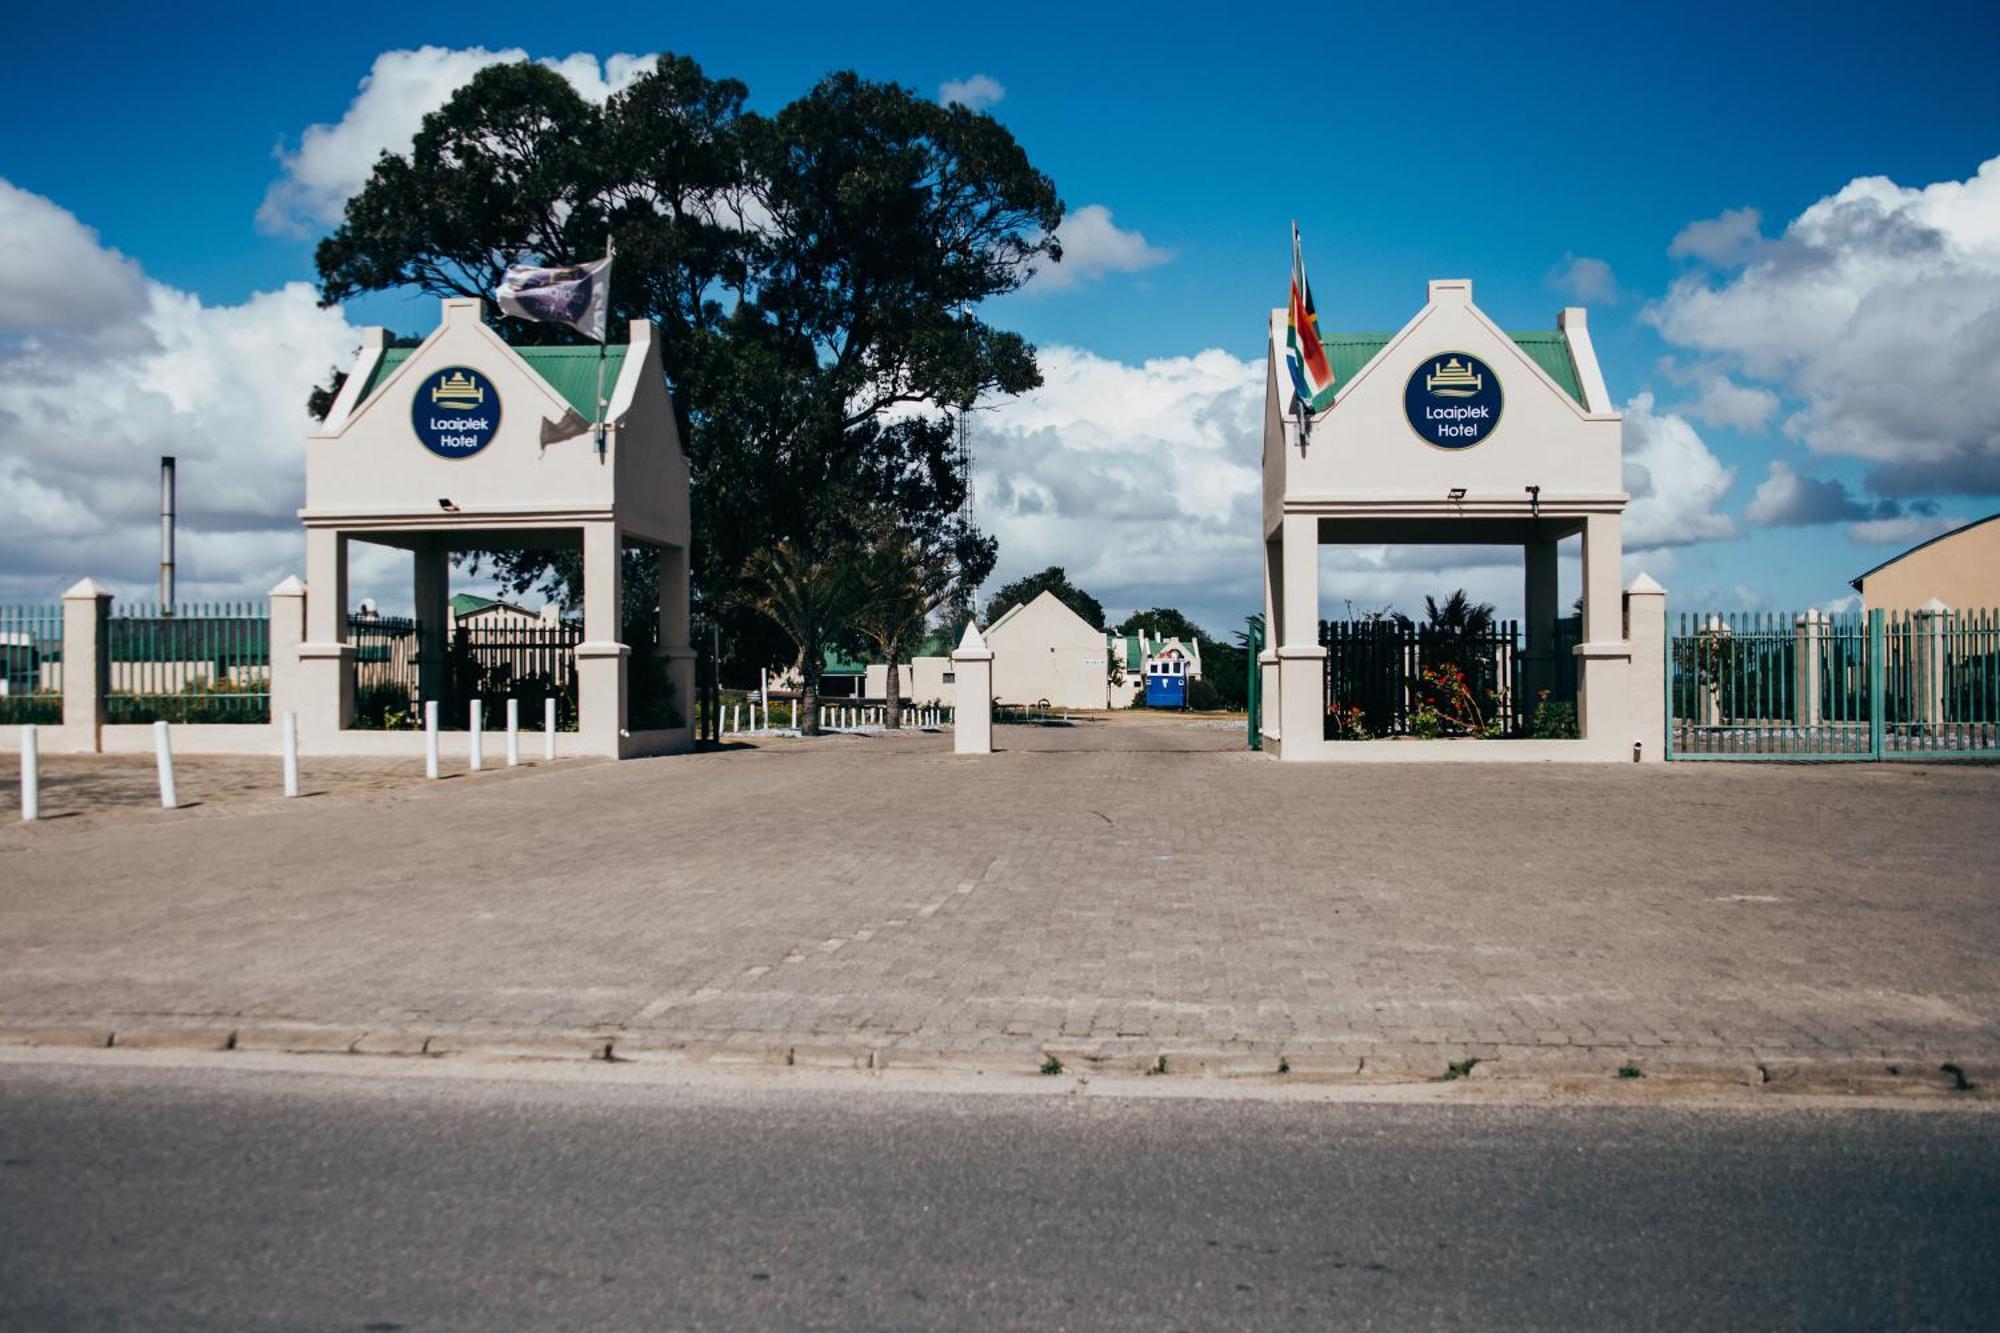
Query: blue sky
pixel 1501 143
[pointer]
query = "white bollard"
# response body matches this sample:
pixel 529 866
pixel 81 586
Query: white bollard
pixel 513 733
pixel 549 730
pixel 736 718
pixel 163 757
pixel 31 775
pixel 477 738
pixel 430 738
pixel 291 735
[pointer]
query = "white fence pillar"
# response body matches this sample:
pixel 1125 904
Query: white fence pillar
pixel 513 733
pixel 972 676
pixel 549 729
pixel 1646 688
pixel 1931 625
pixel 1808 649
pixel 477 739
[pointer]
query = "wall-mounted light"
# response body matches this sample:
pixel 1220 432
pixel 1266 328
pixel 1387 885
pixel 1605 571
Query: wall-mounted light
pixel 1455 494
pixel 447 506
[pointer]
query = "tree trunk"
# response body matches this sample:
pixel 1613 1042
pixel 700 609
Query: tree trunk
pixel 893 713
pixel 808 698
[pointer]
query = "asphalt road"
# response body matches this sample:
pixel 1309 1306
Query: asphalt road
pixel 204 1198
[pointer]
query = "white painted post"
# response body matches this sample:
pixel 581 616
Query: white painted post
pixel 163 757
pixel 430 738
pixel 31 775
pixel 549 730
pixel 513 733
pixel 291 735
pixel 736 718
pixel 476 759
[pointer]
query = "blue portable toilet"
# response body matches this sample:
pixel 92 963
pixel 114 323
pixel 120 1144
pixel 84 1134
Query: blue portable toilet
pixel 1166 680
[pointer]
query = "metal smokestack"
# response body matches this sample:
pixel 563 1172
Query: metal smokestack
pixel 166 535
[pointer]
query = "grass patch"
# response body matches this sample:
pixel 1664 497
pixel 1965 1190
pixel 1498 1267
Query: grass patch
pixel 1460 1068
pixel 1631 1071
pixel 1051 1065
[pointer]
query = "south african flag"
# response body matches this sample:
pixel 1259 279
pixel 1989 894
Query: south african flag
pixel 1312 373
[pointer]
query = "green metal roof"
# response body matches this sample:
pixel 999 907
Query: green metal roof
pixel 570 371
pixel 1547 348
pixel 837 663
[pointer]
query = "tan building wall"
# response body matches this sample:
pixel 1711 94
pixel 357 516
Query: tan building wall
pixel 1960 569
pixel 1042 650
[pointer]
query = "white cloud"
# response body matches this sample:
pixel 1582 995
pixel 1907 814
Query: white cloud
pixel 85 414
pixel 1675 483
pixel 1784 499
pixel 1724 240
pixel 1905 530
pixel 1875 309
pixel 1582 278
pixel 1093 245
pixel 55 273
pixel 974 94
pixel 332 162
pixel 1143 481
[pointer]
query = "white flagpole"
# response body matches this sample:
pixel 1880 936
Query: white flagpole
pixel 603 332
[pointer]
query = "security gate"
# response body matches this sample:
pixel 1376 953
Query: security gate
pixel 1877 685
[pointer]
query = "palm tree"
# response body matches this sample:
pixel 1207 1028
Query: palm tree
pixel 812 598
pixel 1459 618
pixel 907 581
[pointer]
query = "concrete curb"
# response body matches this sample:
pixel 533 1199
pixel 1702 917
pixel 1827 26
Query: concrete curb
pixel 1931 1073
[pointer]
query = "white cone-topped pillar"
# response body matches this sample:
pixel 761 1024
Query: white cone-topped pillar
pixel 972 677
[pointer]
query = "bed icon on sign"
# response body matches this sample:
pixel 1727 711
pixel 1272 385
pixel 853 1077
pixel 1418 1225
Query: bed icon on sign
pixel 1453 379
pixel 458 392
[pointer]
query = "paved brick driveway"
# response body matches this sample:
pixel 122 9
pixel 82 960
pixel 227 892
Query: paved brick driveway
pixel 1131 882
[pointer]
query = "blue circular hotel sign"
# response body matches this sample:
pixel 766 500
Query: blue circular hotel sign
pixel 1453 400
pixel 456 412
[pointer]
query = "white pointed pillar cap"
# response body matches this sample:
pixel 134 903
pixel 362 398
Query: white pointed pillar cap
pixel 293 586
pixel 86 588
pixel 1646 584
pixel 971 644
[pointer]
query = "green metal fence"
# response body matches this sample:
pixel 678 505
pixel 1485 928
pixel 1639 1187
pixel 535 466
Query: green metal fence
pixel 201 663
pixel 30 665
pixel 1879 685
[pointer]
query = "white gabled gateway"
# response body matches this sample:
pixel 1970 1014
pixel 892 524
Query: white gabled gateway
pixel 466 442
pixel 1451 430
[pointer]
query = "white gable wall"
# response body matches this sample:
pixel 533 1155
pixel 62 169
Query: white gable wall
pixel 1044 651
pixel 1365 448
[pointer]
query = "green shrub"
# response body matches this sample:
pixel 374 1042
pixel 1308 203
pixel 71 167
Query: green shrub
pixel 1553 720
pixel 41 707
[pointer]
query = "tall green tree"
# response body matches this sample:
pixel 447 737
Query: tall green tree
pixel 908 582
pixel 1052 579
pixel 1162 622
pixel 815 274
pixel 811 597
